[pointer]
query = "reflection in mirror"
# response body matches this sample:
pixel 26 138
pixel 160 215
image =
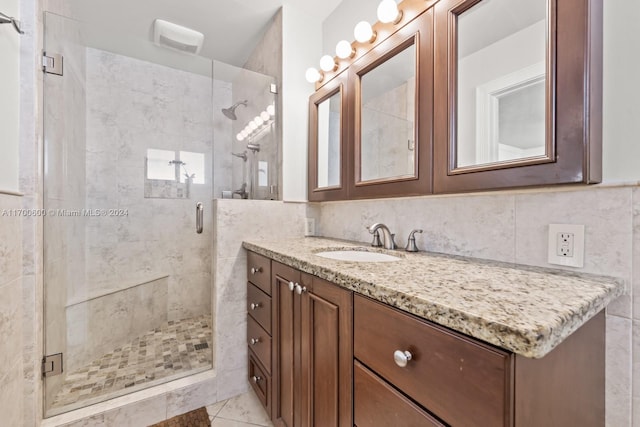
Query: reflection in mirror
pixel 388 104
pixel 329 142
pixel 501 85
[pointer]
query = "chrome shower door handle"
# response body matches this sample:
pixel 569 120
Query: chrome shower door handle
pixel 199 217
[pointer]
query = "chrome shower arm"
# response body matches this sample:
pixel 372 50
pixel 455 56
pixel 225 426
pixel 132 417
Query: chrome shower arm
pixel 5 19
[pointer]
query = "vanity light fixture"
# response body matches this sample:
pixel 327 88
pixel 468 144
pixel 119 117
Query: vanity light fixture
pixel 252 126
pixel 265 116
pixel 328 64
pixel 271 109
pixel 388 12
pixel 344 50
pixel 258 121
pixel 313 76
pixel 240 137
pixel 363 32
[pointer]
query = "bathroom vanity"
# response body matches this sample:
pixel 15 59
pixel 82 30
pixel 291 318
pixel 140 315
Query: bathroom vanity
pixel 425 340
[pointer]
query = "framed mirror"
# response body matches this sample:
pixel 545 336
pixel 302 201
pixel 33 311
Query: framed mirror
pixel 327 137
pixel 502 95
pixel 509 73
pixel 392 87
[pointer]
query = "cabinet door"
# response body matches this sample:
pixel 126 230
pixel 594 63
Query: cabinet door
pixel 327 354
pixel 285 350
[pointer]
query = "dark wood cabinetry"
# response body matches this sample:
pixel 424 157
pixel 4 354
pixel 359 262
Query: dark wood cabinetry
pixel 314 350
pixel 259 327
pixel 320 356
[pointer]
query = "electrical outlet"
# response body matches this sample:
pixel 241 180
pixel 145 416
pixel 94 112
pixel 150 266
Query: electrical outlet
pixel 566 245
pixel 310 227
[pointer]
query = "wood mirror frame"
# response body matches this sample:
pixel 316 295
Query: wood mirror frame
pixel 339 192
pixel 419 34
pixel 574 103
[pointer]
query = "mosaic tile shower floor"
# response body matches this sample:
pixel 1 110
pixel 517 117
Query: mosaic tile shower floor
pixel 173 350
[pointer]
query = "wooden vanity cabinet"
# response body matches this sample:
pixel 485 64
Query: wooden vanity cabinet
pixel 314 350
pixel 259 327
pixel 459 381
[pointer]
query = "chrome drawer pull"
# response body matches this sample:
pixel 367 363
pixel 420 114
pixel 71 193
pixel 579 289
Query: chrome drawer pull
pixel 401 358
pixel 254 341
pixel 300 289
pixel 255 306
pixel 256 379
pixel 292 286
pixel 255 270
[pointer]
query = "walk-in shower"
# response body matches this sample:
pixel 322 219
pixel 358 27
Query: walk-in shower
pixel 134 141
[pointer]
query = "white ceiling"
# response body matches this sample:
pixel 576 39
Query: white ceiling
pixel 231 27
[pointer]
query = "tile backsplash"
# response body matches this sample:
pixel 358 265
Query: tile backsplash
pixel 513 227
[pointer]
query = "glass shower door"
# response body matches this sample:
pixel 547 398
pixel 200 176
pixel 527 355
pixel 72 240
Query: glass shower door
pixel 128 155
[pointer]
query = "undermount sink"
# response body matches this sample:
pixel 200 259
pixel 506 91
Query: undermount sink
pixel 358 256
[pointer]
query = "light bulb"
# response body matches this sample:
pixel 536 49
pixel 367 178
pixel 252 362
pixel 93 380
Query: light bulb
pixel 312 75
pixel 252 126
pixel 265 116
pixel 363 32
pixel 388 12
pixel 271 109
pixel 344 50
pixel 327 63
pixel 244 133
pixel 240 137
pixel 258 121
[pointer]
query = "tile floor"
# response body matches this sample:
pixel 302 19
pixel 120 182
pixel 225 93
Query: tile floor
pixel 244 410
pixel 175 349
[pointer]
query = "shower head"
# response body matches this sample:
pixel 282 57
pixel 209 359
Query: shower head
pixel 231 111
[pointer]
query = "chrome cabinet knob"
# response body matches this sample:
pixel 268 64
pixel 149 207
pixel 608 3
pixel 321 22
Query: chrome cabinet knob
pixel 401 358
pixel 255 270
pixel 292 286
pixel 300 289
pixel 255 305
pixel 256 379
pixel 254 341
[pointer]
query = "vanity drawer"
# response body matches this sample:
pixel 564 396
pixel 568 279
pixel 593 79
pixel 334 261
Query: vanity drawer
pixel 260 382
pixel 259 271
pixel 259 307
pixel 461 381
pixel 261 347
pixel 378 404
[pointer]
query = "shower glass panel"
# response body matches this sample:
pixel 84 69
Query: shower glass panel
pixel 128 153
pixel 247 132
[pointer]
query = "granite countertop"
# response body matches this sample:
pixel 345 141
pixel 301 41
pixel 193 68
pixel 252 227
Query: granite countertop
pixel 526 310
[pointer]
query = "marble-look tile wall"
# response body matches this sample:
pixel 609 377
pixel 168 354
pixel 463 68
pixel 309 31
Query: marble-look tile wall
pixel 266 59
pixel 64 178
pixel 512 227
pixel 11 315
pixel 236 220
pixel 132 106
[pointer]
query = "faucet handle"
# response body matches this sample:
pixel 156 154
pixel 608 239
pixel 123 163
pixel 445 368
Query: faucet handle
pixel 376 243
pixel 411 244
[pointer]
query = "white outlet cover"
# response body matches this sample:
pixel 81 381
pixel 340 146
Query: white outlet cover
pixel 577 260
pixel 310 227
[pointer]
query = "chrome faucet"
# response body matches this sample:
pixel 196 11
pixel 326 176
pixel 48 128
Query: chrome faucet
pixel 387 237
pixel 411 243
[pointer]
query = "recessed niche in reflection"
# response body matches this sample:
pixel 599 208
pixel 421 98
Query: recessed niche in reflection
pixel 170 174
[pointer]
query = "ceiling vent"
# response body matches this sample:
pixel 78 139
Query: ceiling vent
pixel 177 37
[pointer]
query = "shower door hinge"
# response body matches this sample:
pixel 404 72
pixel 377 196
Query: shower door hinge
pixel 52 63
pixel 52 365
